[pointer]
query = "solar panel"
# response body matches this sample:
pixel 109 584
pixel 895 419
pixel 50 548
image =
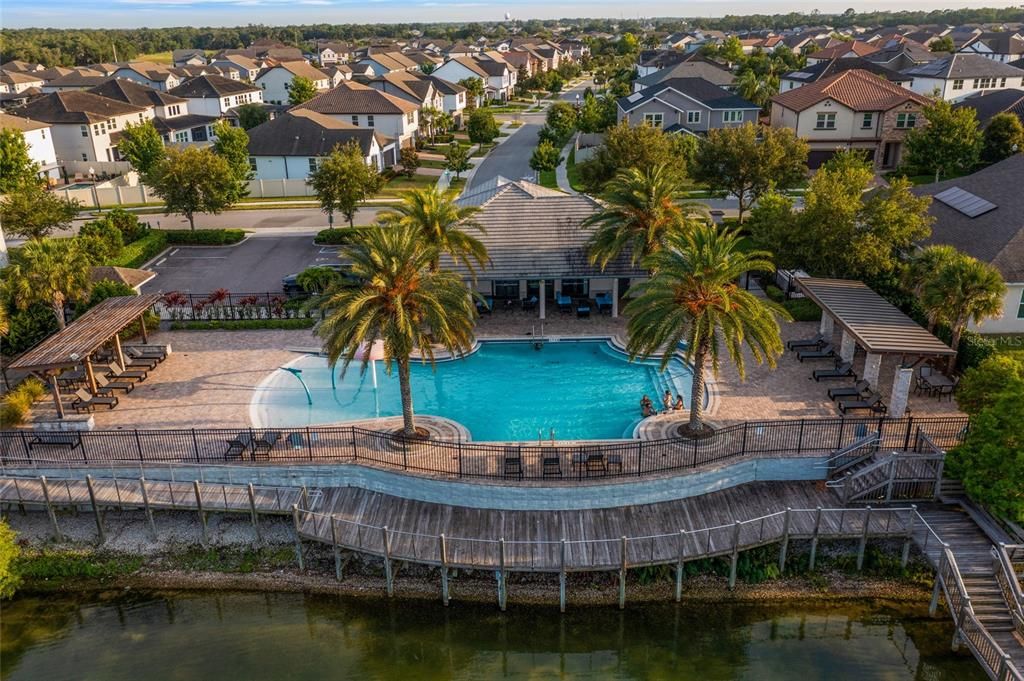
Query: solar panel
pixel 967 203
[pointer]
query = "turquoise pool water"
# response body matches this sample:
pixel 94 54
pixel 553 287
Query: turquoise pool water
pixel 503 391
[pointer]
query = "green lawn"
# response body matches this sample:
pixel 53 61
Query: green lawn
pixel 547 179
pixel 431 163
pixel 401 183
pixel 574 173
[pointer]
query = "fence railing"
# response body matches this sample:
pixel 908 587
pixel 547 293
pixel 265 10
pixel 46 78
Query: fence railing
pixel 225 306
pixel 511 462
pixel 1009 584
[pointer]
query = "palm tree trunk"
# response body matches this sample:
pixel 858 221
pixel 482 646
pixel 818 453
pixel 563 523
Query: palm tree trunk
pixel 954 342
pixel 697 392
pixel 57 305
pixel 405 387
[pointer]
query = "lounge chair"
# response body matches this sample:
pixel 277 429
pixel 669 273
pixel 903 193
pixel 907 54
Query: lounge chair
pixel 844 370
pixel 158 352
pixel 105 387
pixel 583 310
pixel 529 303
pixel 115 372
pixel 552 467
pixel 238 445
pixel 564 303
pixel 816 342
pixel 86 401
pixel 265 442
pixel 872 403
pixel 604 302
pixel 596 464
pixel 137 359
pixel 485 306
pixel 59 438
pixel 858 390
pixel 827 351
pixel 513 463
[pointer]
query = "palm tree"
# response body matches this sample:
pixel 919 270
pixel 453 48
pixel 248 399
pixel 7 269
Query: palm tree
pixel 403 301
pixel 923 267
pixel 642 211
pixel 965 289
pixel 693 297
pixel 429 116
pixel 441 223
pixel 52 272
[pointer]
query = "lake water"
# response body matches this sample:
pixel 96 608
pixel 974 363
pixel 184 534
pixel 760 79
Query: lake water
pixel 220 637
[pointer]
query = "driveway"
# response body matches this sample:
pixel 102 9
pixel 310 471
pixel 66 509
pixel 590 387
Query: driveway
pixel 256 265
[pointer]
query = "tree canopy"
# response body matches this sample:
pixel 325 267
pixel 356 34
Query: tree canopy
pixel 949 144
pixel 32 212
pixel 194 180
pixel 482 128
pixel 1003 138
pixel 251 115
pixel 142 146
pixel 232 144
pixel 16 166
pixel 301 90
pixel 343 180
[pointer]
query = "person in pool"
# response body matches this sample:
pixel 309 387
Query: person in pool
pixel 666 401
pixel 679 405
pixel 646 406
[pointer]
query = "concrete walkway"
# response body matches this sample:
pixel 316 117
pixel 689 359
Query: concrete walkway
pixel 562 171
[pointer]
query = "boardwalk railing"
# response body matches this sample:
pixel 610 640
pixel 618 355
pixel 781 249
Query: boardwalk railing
pixel 1009 584
pixel 456 459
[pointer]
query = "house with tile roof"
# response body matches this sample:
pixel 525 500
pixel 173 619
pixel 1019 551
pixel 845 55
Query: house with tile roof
pixel 276 80
pixel 39 138
pixel 823 69
pixel 217 95
pixel 854 48
pixel 380 63
pixel 851 110
pixel 239 66
pixel 983 215
pixel 79 79
pixel 395 118
pixel 688 105
pixel 17 82
pixel 189 57
pixel 330 52
pixel 962 75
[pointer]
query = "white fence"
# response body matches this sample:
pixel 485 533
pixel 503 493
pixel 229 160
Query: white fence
pixel 105 197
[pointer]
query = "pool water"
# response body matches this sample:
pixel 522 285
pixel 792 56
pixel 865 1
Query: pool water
pixel 503 391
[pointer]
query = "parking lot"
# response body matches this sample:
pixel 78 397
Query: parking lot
pixel 256 265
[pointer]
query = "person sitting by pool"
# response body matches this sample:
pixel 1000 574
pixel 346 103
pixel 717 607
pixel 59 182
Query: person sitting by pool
pixel 646 407
pixel 666 401
pixel 679 405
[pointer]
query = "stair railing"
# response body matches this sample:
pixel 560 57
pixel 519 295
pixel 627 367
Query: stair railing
pixel 1009 585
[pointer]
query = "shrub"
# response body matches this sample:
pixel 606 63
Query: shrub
pixel 204 237
pixel 27 328
pixel 244 325
pixel 974 348
pixel 802 310
pixel 102 290
pixel 17 404
pixel 127 223
pixel 335 236
pixel 9 553
pixel 142 250
pixel 101 239
pixel 993 376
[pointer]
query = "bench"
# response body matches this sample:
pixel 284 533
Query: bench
pixel 58 438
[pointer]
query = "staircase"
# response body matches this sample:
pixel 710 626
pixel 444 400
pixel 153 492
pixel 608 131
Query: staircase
pixel 973 552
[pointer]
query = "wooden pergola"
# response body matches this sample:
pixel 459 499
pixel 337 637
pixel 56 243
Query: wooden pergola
pixel 76 343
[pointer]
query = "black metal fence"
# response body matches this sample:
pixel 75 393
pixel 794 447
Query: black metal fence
pixel 222 305
pixel 511 462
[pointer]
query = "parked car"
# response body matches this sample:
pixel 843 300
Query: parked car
pixel 290 283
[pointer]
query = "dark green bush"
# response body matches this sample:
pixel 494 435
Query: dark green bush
pixel 204 237
pixel 244 325
pixel 802 310
pixel 127 223
pixel 974 348
pixel 141 250
pixel 336 236
pixel 27 328
pixel 101 239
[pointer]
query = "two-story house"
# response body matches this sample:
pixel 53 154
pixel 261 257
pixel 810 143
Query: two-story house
pixel 498 75
pixel 337 73
pixel 38 136
pixel 962 75
pixel 85 126
pixel 156 76
pixel 395 118
pixel 189 57
pixel 330 52
pixel 843 50
pixel 172 119
pixel 824 69
pixel 850 110
pixel 690 105
pixel 216 95
pixel 243 67
pixel 1006 46
pixel 706 69
pixel 276 81
pixel 380 63
pixel 16 82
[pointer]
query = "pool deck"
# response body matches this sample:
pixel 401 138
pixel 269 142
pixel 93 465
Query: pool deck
pixel 208 380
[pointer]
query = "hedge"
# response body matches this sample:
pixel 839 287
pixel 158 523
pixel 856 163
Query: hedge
pixel 244 325
pixel 801 309
pixel 141 250
pixel 204 237
pixel 337 236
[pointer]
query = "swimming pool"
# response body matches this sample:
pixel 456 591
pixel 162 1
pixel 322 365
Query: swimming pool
pixel 503 391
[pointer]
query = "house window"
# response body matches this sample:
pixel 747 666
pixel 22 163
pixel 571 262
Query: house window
pixel 199 134
pixel 227 102
pixel 410 117
pixel 906 120
pixel 506 289
pixel 867 121
pixel 654 119
pixel 141 118
pixel 732 116
pixel 825 121
pixel 369 120
pixel 42 133
pixel 1002 83
pixel 1020 308
pixel 85 130
pixel 984 83
pixel 252 163
pixel 693 116
pixel 958 84
pixel 313 162
pixel 355 120
pixel 575 288
pixel 181 136
pixel 85 157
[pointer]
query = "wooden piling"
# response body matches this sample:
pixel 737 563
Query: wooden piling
pixel 785 540
pixel 95 509
pixel 679 565
pixel 502 594
pixel 443 549
pixel 199 507
pixel 298 537
pixel 905 556
pixel 388 575
pixel 735 554
pixel 863 539
pixel 336 548
pixel 933 607
pixel 561 576
pixel 814 537
pixel 49 507
pixel 622 576
pixel 147 507
pixel 255 515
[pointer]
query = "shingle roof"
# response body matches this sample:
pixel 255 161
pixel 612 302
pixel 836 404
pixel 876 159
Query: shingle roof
pixel 130 92
pixel 997 237
pixel 307 133
pixel 354 98
pixel 963 66
pixel 202 87
pixel 20 123
pixel 125 275
pixel 995 102
pixel 815 72
pixel 856 89
pixel 302 69
pixel 17 77
pixel 1006 42
pixel 690 69
pixel 471 64
pixel 75 106
pixel 533 232
pixel 708 94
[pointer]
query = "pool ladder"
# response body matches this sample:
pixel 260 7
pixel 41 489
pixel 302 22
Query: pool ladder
pixel 540 436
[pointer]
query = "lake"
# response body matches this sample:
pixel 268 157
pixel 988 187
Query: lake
pixel 226 636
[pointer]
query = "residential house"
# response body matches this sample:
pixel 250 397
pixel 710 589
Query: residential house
pixel 292 145
pixel 706 69
pixel 453 98
pixel 386 62
pixel 824 69
pixel 498 76
pixel 526 60
pixel 850 110
pixel 395 118
pixel 189 57
pixel 39 138
pixel 962 75
pixel 276 81
pixel 21 66
pixel 85 126
pixel 424 61
pixel 652 61
pixel 843 50
pixel 988 104
pixel 575 49
pixel 173 120
pixel 1006 46
pixel 690 105
pixel 983 215
pixel 217 95
pixel 17 82
pixel 156 76
pixel 677 41
pixel 243 67
pixel 337 73
pixel 411 87
pixel 902 55
pixel 79 79
pixel 330 52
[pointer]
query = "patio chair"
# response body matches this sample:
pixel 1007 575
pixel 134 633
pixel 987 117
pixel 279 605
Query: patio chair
pixel 137 359
pixel 105 387
pixel 529 303
pixel 265 442
pixel 485 306
pixel 86 401
pixel 816 342
pixel 947 390
pixel 71 378
pixel 844 370
pixel 508 305
pixel 564 303
pixel 513 463
pixel 604 302
pixel 858 390
pixel 58 438
pixel 583 310
pixel 871 403
pixel 827 351
pixel 596 464
pixel 238 445
pixel 551 467
pixel 114 371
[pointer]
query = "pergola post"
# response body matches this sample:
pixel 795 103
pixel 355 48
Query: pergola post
pixel 615 297
pixel 900 391
pixel 543 298
pixel 142 325
pixel 827 326
pixel 847 347
pixel 90 375
pixel 55 388
pixel 119 352
pixel 872 365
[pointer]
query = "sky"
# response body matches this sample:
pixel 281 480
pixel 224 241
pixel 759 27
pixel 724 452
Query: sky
pixel 156 13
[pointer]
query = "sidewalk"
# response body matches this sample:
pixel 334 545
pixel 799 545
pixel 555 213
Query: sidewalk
pixel 562 171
